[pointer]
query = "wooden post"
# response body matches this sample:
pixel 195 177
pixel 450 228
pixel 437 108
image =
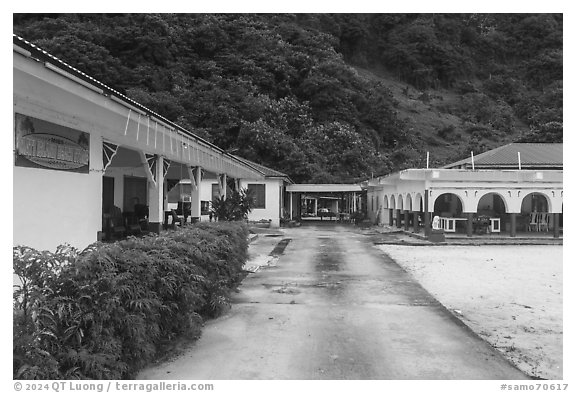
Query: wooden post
pixel 156 198
pixel 415 222
pixel 512 224
pixel 390 217
pixel 406 220
pixel 427 228
pixel 222 185
pixel 398 218
pixel 556 218
pixel 469 224
pixel 195 203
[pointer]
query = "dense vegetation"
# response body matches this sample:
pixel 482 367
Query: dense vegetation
pixel 328 98
pixel 110 309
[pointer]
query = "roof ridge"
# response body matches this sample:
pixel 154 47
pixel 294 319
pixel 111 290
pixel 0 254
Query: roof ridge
pixel 252 163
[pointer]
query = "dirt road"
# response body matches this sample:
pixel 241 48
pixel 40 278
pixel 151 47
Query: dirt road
pixel 335 307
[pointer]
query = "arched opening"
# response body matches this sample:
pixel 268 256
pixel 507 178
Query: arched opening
pixel 408 202
pixel 491 214
pixel 418 203
pixel 534 213
pixel 392 202
pixel 400 203
pixel 385 202
pixel 448 205
pixel 492 204
pixel 534 202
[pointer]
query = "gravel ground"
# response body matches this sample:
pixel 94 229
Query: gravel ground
pixel 509 295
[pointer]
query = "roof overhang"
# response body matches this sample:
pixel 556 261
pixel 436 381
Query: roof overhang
pixel 121 114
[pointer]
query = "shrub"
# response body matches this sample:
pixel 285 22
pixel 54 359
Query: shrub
pixel 233 208
pixel 105 312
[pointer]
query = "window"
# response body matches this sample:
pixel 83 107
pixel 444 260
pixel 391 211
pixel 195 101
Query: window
pixel 258 192
pixel 215 192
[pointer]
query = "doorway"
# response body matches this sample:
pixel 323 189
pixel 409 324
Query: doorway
pixel 135 187
pixel 107 193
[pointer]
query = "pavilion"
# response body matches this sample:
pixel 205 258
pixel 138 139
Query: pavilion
pixel 514 188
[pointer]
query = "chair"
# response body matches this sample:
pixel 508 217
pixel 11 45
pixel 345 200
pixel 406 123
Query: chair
pixel 176 220
pixel 543 221
pixel 533 223
pixel 116 227
pixel 184 209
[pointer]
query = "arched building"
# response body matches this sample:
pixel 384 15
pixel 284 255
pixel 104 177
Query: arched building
pixel 514 188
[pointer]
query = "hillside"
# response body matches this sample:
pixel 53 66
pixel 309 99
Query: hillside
pixel 328 98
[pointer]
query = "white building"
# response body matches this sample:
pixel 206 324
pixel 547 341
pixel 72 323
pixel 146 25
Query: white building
pixel 83 153
pixel 514 188
pixel 269 193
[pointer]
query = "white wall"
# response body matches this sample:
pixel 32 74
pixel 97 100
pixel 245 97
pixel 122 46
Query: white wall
pixel 53 207
pixel 273 201
pixel 272 210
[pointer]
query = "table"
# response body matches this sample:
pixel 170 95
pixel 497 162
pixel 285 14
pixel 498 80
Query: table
pixel 449 223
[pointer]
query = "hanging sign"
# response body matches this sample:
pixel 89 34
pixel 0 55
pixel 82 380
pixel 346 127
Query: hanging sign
pixel 41 144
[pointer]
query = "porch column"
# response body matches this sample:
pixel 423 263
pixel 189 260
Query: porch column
pixel 196 180
pixel 353 202
pixel 406 220
pixel 427 229
pixel 222 185
pixel 556 218
pixel 291 196
pixel 391 217
pixel 156 197
pixel 469 224
pixel 513 224
pixel 398 218
pixel 415 222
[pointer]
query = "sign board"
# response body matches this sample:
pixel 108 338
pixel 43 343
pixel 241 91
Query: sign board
pixel 41 144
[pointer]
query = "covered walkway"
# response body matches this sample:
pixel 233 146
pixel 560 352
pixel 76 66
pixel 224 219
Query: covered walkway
pixel 324 202
pixel 92 161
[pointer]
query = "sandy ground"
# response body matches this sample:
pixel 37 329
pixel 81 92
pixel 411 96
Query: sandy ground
pixel 509 295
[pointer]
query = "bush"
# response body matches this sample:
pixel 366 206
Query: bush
pixel 105 312
pixel 233 208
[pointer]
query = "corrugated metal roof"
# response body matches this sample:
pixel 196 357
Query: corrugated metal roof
pixel 29 49
pixel 531 155
pixel 267 172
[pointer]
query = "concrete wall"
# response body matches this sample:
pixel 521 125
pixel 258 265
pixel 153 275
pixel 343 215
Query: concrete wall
pixel 52 207
pixel 273 201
